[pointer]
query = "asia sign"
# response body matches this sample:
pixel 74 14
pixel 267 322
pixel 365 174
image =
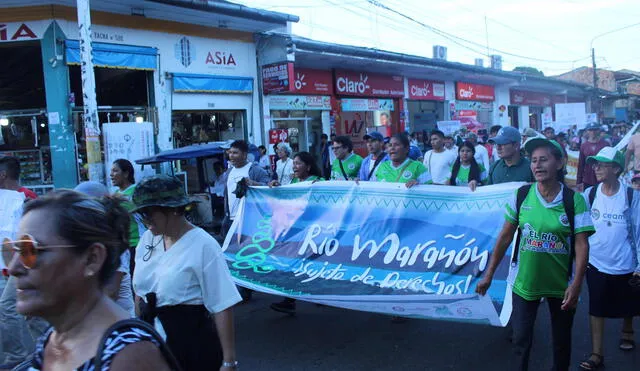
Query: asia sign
pixel 19 31
pixel 277 78
pixel 300 102
pixel 475 92
pixel 309 81
pixel 529 98
pixel 426 89
pixel 368 84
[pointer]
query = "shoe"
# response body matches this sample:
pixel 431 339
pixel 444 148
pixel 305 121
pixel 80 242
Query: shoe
pixel 287 306
pixel 591 364
pixel 627 343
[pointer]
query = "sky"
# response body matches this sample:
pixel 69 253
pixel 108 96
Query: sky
pixel 554 36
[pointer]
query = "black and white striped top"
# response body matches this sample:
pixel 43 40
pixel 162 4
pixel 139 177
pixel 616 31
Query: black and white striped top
pixel 115 342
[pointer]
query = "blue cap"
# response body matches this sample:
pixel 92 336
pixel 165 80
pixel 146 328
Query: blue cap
pixel 374 135
pixel 507 135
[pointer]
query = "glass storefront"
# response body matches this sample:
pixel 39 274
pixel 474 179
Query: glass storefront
pixel 191 127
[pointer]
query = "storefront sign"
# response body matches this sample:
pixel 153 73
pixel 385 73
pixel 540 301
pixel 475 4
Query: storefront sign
pixel 22 31
pixel 276 78
pixel 300 102
pixel 367 105
pixel 278 135
pixel 426 90
pixel 368 84
pixel 529 98
pixel 309 81
pixel 467 91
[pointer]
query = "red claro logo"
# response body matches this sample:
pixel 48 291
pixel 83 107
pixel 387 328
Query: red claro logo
pixel 299 83
pixel 22 32
pixel 221 58
pixel 345 85
pixel 466 93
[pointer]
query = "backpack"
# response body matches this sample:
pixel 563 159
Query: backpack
pixel 569 209
pixel 592 195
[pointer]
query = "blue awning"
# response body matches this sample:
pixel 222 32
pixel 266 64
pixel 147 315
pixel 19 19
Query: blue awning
pixel 189 83
pixel 114 55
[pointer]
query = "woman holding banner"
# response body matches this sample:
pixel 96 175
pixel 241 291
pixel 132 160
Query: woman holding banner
pixel 400 168
pixel 305 169
pixel 466 170
pixel 553 225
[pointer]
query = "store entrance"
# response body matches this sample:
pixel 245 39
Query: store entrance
pixel 192 127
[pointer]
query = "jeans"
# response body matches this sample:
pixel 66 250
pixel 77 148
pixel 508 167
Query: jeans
pixel 523 319
pixel 17 332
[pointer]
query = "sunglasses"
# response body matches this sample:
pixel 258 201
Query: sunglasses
pixel 28 249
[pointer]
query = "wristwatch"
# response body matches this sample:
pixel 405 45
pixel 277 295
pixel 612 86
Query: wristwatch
pixel 233 364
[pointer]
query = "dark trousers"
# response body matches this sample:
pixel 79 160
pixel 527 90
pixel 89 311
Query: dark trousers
pixel 523 320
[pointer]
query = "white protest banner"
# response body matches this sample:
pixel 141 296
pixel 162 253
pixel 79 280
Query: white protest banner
pixel 449 127
pixel 571 114
pixel 131 141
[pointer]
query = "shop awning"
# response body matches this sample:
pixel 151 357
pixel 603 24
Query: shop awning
pixel 115 56
pixel 190 83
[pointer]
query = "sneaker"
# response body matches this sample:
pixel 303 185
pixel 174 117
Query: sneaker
pixel 285 306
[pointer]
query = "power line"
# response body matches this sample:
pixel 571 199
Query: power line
pixel 455 39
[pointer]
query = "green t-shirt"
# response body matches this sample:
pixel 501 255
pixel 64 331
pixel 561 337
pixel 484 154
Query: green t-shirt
pixel 311 178
pixel 134 235
pixel 543 260
pixel 351 166
pixel 462 179
pixel 408 170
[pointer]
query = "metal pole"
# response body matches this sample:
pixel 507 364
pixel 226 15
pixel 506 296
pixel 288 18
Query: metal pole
pixel 91 124
pixel 596 107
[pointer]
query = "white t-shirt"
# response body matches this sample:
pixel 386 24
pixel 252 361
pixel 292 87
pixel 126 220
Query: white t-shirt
pixel 439 164
pixel 482 156
pixel 609 248
pixel 284 169
pixel 125 296
pixel 265 163
pixel 193 271
pixel 232 183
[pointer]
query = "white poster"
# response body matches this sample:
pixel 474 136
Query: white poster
pixel 448 127
pixel 569 114
pixel 131 141
pixel 10 212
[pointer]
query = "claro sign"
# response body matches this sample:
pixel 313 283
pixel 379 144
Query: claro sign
pixel 425 89
pixel 368 84
pixel 475 92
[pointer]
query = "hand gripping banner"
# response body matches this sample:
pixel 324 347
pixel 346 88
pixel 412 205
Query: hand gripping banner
pixel 375 247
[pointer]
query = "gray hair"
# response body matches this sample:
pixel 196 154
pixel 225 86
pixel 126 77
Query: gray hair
pixel 284 146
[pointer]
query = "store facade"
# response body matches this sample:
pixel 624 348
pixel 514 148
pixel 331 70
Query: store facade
pixel 530 109
pixel 368 102
pixel 474 105
pixel 425 105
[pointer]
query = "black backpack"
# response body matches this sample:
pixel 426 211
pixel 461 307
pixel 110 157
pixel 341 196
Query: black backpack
pixel 569 209
pixel 594 189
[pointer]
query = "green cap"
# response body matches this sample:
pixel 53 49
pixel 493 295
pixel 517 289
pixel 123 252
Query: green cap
pixel 608 154
pixel 534 143
pixel 159 190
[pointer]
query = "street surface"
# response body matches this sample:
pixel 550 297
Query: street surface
pixel 326 338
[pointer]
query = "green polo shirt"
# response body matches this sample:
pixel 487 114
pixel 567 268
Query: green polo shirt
pixel 520 172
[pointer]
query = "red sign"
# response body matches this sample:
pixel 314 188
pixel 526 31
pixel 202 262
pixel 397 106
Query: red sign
pixel 529 98
pixel 278 135
pixel 475 92
pixel 277 78
pixel 20 33
pixel 365 84
pixel 308 81
pixel 426 90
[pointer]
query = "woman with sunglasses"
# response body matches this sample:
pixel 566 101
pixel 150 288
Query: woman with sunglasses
pixel 183 279
pixel 69 247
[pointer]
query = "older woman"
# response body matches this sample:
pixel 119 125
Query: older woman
pixel 400 168
pixel 284 166
pixel 612 254
pixel 69 247
pixel 183 278
pixel 548 242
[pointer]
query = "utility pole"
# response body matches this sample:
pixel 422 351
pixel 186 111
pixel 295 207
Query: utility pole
pixel 595 83
pixel 91 124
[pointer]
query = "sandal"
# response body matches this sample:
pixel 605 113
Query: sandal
pixel 591 364
pixel 627 344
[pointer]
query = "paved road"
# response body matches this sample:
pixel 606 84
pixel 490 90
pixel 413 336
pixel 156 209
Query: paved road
pixel 326 338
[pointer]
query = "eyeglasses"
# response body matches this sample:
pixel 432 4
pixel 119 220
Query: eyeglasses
pixel 27 248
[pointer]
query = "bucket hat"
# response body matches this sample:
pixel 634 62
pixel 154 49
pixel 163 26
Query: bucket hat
pixel 159 190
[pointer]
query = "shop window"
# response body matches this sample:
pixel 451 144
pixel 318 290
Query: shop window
pixel 190 127
pixel 22 77
pixel 114 87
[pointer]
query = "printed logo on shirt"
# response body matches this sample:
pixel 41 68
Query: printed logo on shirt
pixel 407 174
pixel 351 166
pixel 564 220
pixel 595 214
pixel 614 218
pixel 541 242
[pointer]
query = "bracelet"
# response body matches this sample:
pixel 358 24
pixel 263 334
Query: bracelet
pixel 233 364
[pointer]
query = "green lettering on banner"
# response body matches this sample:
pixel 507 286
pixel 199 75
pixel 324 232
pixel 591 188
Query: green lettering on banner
pixel 254 255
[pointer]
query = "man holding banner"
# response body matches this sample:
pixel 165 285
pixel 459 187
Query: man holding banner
pixel 347 164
